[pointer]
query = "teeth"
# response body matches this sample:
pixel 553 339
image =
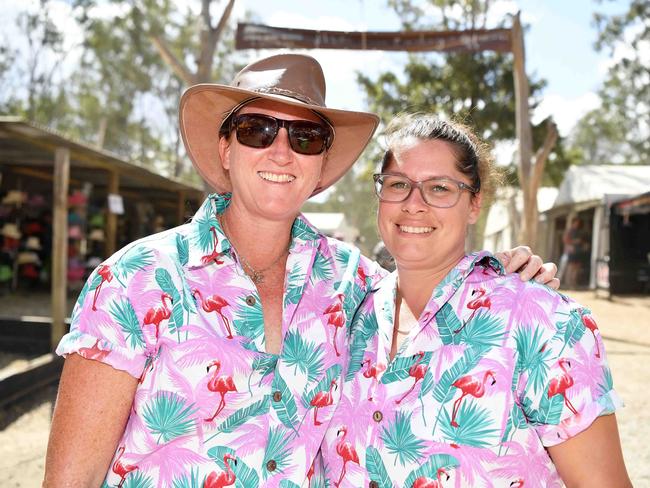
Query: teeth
pixel 276 178
pixel 415 230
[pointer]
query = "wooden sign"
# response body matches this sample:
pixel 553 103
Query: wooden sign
pixel 258 36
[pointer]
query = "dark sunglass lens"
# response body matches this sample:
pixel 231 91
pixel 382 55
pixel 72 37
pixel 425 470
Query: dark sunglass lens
pixel 308 137
pixel 255 130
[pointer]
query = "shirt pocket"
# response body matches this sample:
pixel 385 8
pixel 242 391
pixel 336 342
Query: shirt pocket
pixel 470 397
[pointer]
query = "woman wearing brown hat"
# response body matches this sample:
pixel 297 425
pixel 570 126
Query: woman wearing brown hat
pixel 212 354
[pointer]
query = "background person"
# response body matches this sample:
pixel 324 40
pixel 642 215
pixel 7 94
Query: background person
pixel 461 374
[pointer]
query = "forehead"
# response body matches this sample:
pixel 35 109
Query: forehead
pixel 279 110
pixel 424 157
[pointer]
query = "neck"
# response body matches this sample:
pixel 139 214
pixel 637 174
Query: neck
pixel 416 284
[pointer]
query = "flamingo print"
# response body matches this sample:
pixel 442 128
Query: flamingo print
pixel 336 317
pixel 105 272
pixel 371 372
pixel 517 483
pixel 590 324
pixel 479 302
pixel 417 372
pixel 470 385
pixel 121 469
pixel 225 478
pixel 219 384
pixel 322 399
pixel 157 314
pixel 347 452
pixel 94 352
pixel 214 255
pixel 561 383
pixel 215 303
pixel 424 482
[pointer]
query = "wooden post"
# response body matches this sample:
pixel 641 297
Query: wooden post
pixel 524 135
pixel 60 243
pixel 111 219
pixel 181 207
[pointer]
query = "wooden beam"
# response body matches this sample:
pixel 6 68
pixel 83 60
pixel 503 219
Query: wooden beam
pixel 60 243
pixel 181 207
pixel 111 218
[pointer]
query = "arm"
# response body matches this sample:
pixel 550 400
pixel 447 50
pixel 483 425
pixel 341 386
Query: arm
pixel 522 260
pixel 592 458
pixel 92 407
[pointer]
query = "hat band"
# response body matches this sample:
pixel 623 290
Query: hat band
pixel 288 93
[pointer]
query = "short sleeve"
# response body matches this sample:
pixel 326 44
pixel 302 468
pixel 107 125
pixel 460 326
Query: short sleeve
pixel 566 382
pixel 107 319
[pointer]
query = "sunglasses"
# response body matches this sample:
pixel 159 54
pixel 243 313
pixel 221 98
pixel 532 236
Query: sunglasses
pixel 260 130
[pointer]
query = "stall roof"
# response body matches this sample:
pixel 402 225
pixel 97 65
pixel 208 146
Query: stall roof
pixel 29 148
pixel 593 182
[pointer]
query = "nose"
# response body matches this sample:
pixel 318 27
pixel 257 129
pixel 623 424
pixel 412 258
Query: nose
pixel 281 152
pixel 415 202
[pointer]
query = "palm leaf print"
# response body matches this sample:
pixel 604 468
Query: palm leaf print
pixel 431 467
pixel 124 314
pixel 533 356
pixel 399 440
pixel 343 255
pixel 243 415
pixel 447 322
pixel 516 420
pixel 399 368
pixel 295 285
pixel 608 385
pixel 476 428
pixel 323 384
pixel 303 355
pixel 265 365
pixel 137 479
pixel 277 448
pixel 89 285
pixel 189 481
pixel 249 321
pixel 166 284
pixel 288 484
pixel 168 416
pixel 550 409
pixel 357 351
pixel 300 230
pixel 183 249
pixel 203 236
pixel 485 329
pixel 573 329
pixel 246 477
pixel 376 469
pixel 444 390
pixel 286 408
pixel 321 269
pixel 133 260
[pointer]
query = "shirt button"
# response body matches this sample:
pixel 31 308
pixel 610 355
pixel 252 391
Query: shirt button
pixel 377 416
pixel 373 484
pixel 250 300
pixel 271 465
pixel 277 396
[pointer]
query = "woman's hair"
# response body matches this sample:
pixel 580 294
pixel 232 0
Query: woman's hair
pixel 473 156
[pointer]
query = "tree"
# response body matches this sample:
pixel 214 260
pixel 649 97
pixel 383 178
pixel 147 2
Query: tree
pixel 618 131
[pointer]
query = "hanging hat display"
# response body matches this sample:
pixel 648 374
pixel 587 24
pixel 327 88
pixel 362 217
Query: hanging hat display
pixel 76 270
pixel 77 199
pixel 32 228
pixel 74 232
pixel 96 220
pixel 29 271
pixel 96 235
pixel 28 257
pixel 93 262
pixel 10 230
pixel 33 244
pixel 75 219
pixel 14 197
pixel 36 200
pixel 5 273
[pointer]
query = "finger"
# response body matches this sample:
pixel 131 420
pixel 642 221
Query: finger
pixel 504 259
pixel 530 268
pixel 554 284
pixel 518 258
pixel 546 273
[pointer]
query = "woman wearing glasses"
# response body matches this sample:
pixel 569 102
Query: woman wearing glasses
pixel 212 354
pixel 461 374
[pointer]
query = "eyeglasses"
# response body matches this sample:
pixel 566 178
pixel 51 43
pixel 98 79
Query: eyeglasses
pixel 436 192
pixel 260 130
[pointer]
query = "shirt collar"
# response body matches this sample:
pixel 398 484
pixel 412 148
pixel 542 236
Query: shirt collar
pixel 205 225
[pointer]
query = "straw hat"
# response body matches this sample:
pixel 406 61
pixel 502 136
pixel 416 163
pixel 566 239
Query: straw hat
pixel 293 79
pixel 96 235
pixel 33 244
pixel 28 257
pixel 14 197
pixel 10 230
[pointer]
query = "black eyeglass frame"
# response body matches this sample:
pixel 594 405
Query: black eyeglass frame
pixel 230 124
pixel 418 184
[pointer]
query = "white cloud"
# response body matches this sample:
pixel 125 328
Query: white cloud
pixel 565 111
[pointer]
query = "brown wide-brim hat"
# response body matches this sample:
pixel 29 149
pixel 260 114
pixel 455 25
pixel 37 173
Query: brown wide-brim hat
pixel 293 79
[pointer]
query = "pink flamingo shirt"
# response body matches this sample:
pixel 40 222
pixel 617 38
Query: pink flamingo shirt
pixel 494 371
pixel 212 407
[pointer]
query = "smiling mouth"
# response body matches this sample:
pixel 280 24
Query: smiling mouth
pixel 276 178
pixel 410 229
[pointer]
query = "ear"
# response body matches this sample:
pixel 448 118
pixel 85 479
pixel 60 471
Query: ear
pixel 475 208
pixel 224 152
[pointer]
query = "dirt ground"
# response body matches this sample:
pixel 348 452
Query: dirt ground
pixel 624 324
